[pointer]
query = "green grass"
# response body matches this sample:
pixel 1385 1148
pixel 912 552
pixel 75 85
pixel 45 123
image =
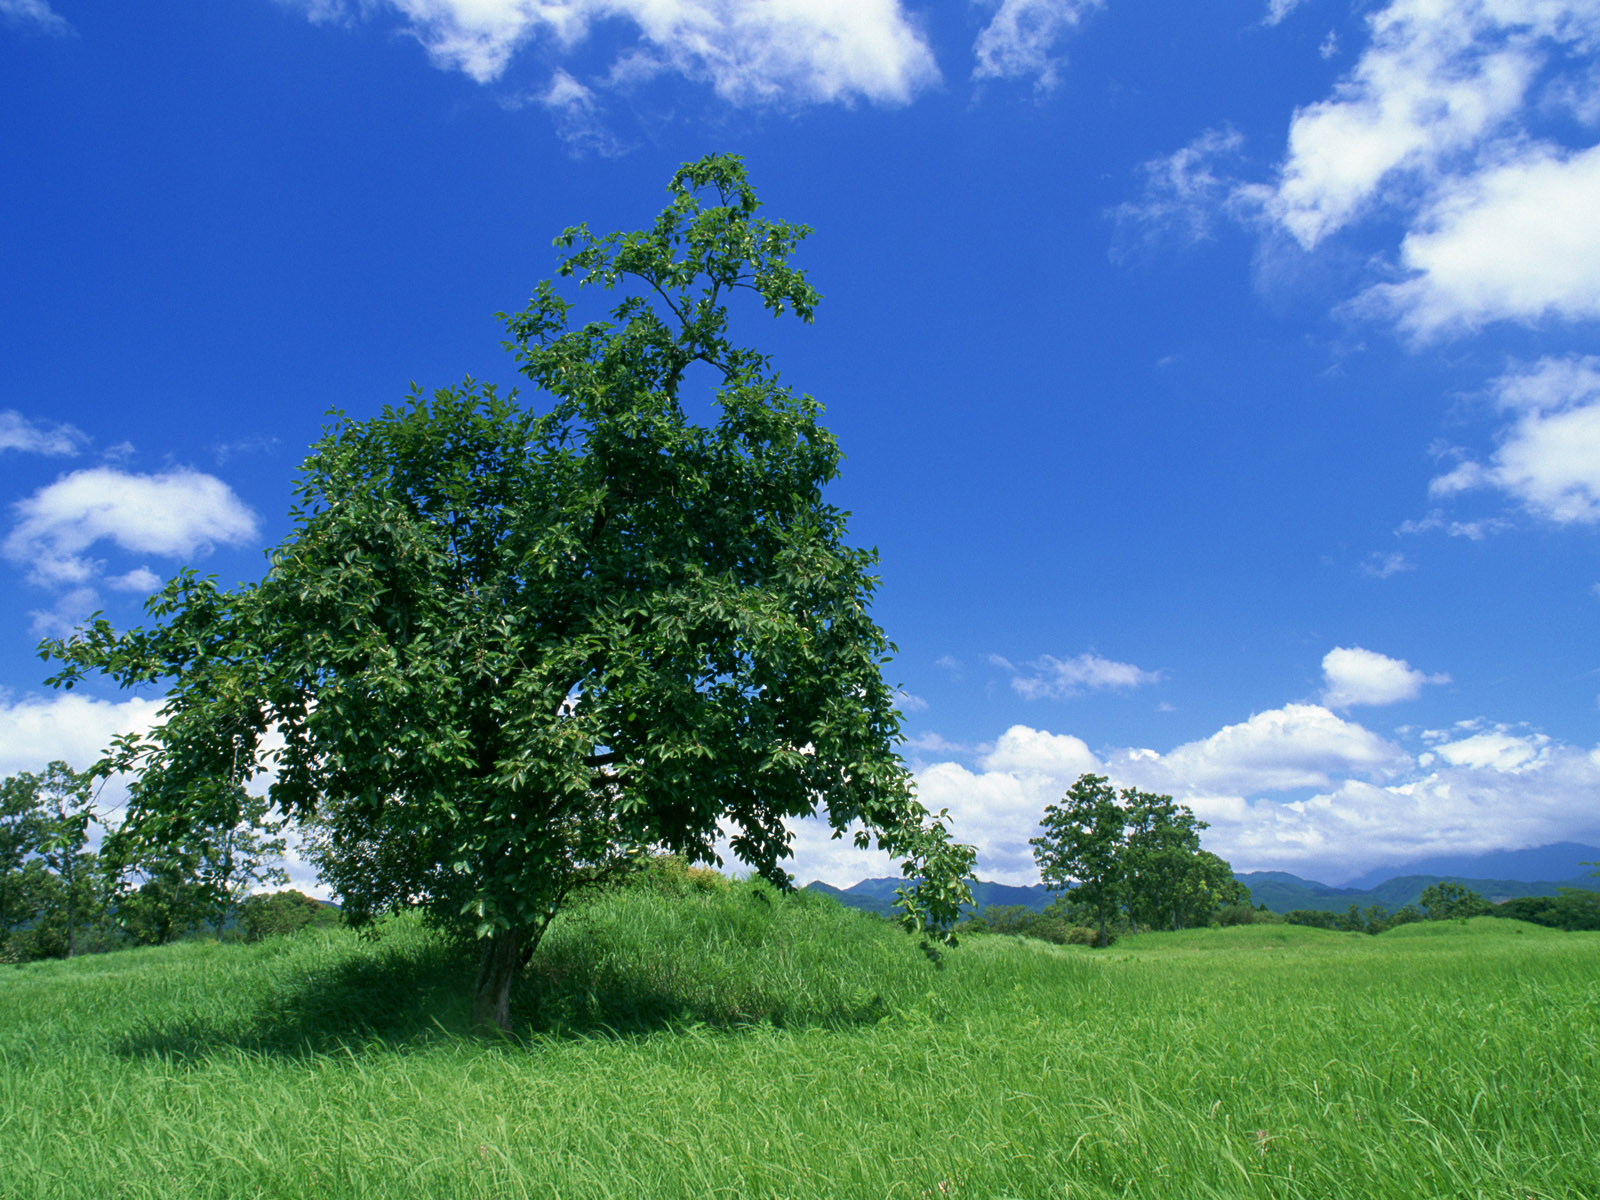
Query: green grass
pixel 749 1045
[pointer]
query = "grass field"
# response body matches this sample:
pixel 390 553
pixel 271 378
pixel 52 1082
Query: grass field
pixel 752 1045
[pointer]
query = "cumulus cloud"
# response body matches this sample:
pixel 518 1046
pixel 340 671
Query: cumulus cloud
pixel 72 728
pixel 773 52
pixel 76 729
pixel 1281 749
pixel 1022 37
pixel 19 433
pixel 34 16
pixel 1024 751
pixel 1446 124
pixel 1549 455
pixel 1054 678
pixel 176 514
pixel 1355 676
pixel 1439 79
pixel 1517 241
pixel 1371 802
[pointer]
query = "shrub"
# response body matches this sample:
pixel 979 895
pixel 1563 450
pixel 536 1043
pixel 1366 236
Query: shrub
pixel 1086 935
pixel 1237 914
pixel 283 913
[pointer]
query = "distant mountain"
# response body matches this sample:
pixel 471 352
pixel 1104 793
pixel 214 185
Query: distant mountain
pixel 1560 860
pixel 1278 890
pixel 1282 892
pixel 877 895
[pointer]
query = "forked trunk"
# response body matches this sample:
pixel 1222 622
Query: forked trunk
pixel 504 954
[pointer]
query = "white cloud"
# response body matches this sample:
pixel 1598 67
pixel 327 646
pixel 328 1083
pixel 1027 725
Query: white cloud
pixel 1282 749
pixel 1024 751
pixel 1549 456
pixel 72 728
pixel 1448 484
pixel 1382 566
pixel 908 703
pixel 1186 190
pixel 1439 79
pixel 1474 788
pixel 1057 679
pixel 34 16
pixel 140 579
pixel 1277 10
pixel 1021 39
pixel 177 514
pixel 751 52
pixel 77 729
pixel 1358 825
pixel 578 118
pixel 1355 676
pixel 1518 241
pixel 66 613
pixel 1442 125
pixel 1495 749
pixel 19 433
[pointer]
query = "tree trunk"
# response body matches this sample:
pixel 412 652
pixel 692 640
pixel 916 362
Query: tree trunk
pixel 504 954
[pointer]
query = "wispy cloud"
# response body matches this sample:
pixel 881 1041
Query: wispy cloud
pixel 780 53
pixel 34 16
pixel 1051 678
pixel 1023 37
pixel 30 437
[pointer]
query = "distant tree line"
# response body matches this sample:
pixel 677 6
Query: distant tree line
pixel 1573 909
pixel 60 897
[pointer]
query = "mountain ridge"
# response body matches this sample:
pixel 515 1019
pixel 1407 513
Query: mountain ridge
pixel 1284 892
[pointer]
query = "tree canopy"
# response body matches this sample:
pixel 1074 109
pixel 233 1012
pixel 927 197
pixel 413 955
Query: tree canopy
pixel 1136 852
pixel 507 648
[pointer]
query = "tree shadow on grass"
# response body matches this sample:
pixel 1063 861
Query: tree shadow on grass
pixel 413 996
pixel 396 996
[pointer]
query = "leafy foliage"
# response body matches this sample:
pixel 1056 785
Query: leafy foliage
pixel 506 650
pixel 1446 901
pixel 1136 853
pixel 278 914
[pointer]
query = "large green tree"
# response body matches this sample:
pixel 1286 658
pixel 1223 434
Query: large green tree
pixel 508 648
pixel 1162 839
pixel 1080 847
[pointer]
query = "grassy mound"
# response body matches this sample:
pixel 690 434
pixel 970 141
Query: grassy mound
pixel 735 1042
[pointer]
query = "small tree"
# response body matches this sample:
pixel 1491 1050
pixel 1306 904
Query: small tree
pixel 1444 901
pixel 1080 847
pixel 509 650
pixel 282 913
pixel 66 796
pixel 241 851
pixel 22 832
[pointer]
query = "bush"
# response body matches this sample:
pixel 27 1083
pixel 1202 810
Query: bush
pixel 674 875
pixel 1237 914
pixel 1087 935
pixel 1575 909
pixel 283 913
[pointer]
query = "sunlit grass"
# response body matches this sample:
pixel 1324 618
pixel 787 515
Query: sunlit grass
pixel 750 1045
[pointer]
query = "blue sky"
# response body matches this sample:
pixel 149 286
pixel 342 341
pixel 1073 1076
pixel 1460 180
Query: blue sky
pixel 1219 383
